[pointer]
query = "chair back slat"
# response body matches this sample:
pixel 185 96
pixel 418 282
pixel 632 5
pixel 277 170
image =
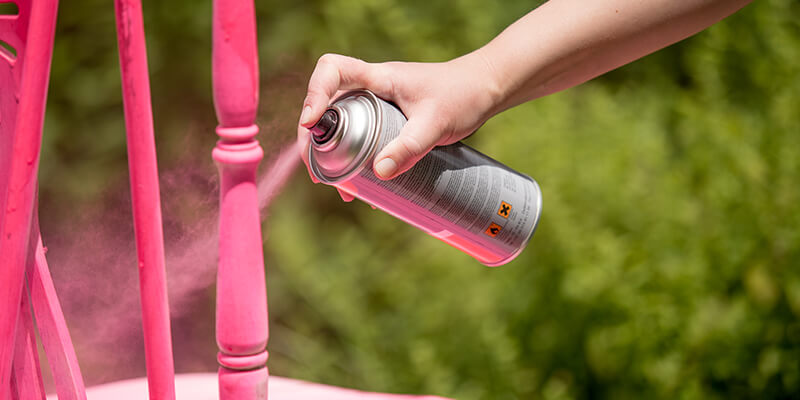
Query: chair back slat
pixel 26 376
pixel 33 59
pixel 53 330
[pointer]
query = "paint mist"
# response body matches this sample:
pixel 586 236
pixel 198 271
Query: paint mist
pixel 93 262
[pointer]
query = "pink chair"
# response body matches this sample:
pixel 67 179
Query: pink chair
pixel 27 295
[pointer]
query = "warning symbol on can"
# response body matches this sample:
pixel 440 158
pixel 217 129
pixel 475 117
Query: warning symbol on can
pixel 493 229
pixel 504 210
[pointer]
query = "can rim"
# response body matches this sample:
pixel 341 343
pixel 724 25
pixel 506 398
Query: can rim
pixel 373 139
pixel 530 235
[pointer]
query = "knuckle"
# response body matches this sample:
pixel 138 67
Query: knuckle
pixel 438 123
pixel 411 145
pixel 313 93
pixel 328 59
pixel 382 79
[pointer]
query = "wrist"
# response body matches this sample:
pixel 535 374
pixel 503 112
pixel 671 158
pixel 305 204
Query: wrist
pixel 489 93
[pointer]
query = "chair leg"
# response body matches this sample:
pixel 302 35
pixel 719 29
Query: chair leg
pixel 146 199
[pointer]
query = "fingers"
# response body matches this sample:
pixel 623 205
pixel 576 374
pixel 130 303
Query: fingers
pixel 346 197
pixel 416 139
pixel 303 143
pixel 334 73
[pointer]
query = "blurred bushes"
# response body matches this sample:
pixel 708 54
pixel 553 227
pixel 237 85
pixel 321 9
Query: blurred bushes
pixel 666 264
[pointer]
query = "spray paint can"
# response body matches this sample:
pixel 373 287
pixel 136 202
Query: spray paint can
pixel 454 193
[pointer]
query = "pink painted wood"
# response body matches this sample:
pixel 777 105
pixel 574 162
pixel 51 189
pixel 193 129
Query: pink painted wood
pixel 242 330
pixel 34 50
pixel 203 386
pixel 146 199
pixel 26 375
pixel 53 331
pixel 13 33
pixel 41 294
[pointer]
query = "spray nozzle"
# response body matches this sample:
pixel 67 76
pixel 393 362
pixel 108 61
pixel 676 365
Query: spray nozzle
pixel 324 129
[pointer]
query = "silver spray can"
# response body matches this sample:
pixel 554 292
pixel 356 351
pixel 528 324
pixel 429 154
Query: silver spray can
pixel 454 193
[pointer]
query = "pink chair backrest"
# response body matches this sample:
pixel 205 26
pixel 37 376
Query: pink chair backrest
pixel 25 55
pixel 13 35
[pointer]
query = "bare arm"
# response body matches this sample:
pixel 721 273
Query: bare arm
pixel 559 45
pixel 564 43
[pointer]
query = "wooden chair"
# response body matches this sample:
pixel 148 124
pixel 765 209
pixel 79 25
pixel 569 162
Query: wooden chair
pixel 27 296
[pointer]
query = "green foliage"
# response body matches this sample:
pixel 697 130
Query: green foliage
pixel 666 261
pixel 665 265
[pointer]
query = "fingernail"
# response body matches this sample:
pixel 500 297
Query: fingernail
pixel 305 116
pixel 385 168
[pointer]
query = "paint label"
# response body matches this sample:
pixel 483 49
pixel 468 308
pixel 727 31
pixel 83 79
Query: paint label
pixel 504 210
pixel 456 189
pixel 493 229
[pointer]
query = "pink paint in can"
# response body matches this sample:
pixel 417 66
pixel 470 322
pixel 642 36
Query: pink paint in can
pixel 454 193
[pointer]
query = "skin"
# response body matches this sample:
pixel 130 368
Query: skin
pixel 575 41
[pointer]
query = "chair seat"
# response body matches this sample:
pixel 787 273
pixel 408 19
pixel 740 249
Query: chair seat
pixel 203 386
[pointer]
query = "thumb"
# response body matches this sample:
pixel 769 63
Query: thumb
pixel 416 139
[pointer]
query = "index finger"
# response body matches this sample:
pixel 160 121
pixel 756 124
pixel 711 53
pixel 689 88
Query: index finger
pixel 334 73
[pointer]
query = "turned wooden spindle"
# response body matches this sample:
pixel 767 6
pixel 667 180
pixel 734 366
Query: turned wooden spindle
pixel 241 289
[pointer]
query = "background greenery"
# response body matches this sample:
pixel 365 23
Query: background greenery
pixel 666 264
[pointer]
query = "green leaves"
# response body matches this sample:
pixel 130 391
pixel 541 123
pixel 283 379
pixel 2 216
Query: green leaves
pixel 663 266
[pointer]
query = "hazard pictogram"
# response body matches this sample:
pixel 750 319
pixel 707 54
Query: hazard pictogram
pixel 504 210
pixel 493 229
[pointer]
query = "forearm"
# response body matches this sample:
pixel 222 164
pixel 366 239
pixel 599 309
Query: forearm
pixel 559 45
pixel 564 43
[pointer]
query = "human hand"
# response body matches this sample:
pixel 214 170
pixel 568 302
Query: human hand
pixel 444 102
